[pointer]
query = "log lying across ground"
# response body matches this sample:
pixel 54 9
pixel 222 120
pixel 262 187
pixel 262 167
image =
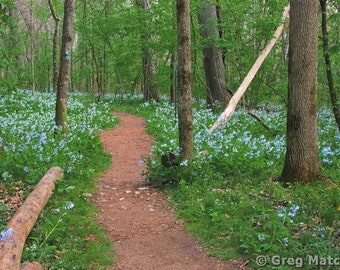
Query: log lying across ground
pixel 18 228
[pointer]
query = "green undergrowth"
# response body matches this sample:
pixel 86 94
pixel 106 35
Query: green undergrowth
pixel 66 235
pixel 228 197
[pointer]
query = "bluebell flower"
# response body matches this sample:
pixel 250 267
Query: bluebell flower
pixel 6 233
pixel 184 163
pixel 327 151
pixel 261 237
pixel 26 170
pixel 326 161
pixel 247 138
pixel 285 241
pixel 282 212
pixel 293 210
pixel 69 205
pixel 43 139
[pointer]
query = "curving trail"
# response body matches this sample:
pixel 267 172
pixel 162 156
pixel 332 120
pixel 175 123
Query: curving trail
pixel 142 226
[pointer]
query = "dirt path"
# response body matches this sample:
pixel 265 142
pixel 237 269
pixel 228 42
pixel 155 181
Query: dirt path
pixel 142 226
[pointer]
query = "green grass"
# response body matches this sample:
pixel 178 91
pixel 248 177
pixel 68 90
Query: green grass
pixel 66 235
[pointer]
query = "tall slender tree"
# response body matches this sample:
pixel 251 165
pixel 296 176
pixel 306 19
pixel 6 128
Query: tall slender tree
pixel 55 45
pixel 301 162
pixel 184 80
pixel 212 57
pixel 329 73
pixel 148 59
pixel 65 67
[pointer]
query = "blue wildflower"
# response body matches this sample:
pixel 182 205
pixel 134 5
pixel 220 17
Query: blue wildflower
pixel 6 233
pixel 285 241
pixel 282 212
pixel 43 139
pixel 293 210
pixel 184 163
pixel 261 237
pixel 69 205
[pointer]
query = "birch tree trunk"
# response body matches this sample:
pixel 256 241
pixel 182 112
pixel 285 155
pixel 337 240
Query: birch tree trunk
pixel 184 80
pixel 301 162
pixel 65 67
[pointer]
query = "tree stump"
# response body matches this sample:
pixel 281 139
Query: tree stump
pixel 18 228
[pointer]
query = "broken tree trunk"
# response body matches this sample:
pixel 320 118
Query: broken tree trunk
pixel 18 228
pixel 228 112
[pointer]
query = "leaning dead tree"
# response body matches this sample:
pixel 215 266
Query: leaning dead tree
pixel 228 112
pixel 18 228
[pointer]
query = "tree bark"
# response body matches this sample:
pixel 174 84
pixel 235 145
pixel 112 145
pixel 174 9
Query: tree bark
pixel 55 45
pixel 329 73
pixel 173 77
pixel 213 58
pixel 19 227
pixel 65 67
pixel 229 110
pixel 184 80
pixel 148 61
pixel 301 162
pixel 32 47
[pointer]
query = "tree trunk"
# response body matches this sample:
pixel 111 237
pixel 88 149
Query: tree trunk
pixel 55 45
pixel 332 92
pixel 32 47
pixel 213 58
pixel 148 61
pixel 65 67
pixel 184 80
pixel 301 162
pixel 173 77
pixel 18 228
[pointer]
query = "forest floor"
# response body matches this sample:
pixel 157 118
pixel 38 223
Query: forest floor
pixel 141 224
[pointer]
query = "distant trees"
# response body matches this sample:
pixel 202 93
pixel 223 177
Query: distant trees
pixel 9 52
pixel 301 162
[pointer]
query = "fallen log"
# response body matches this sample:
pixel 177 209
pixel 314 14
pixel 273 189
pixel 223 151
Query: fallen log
pixel 18 228
pixel 229 110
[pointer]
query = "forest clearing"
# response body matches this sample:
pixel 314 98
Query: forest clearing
pixel 174 135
